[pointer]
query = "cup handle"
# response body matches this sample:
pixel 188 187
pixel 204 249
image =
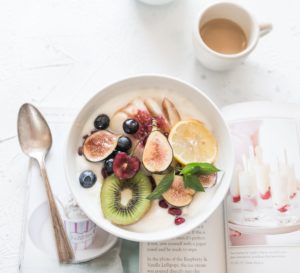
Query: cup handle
pixel 264 29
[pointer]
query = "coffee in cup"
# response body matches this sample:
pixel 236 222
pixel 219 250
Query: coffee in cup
pixel 225 34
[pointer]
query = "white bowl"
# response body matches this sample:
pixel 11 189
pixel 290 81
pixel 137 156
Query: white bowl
pixel 88 199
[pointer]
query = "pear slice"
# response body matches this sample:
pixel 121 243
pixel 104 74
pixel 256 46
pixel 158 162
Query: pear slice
pixel 170 112
pixel 156 112
pixel 134 107
pixel 153 107
pixel 116 122
pixel 158 153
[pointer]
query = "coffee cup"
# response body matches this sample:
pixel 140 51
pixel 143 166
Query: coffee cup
pixel 225 34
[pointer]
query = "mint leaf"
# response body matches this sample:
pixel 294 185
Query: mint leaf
pixel 162 187
pixel 193 182
pixel 198 168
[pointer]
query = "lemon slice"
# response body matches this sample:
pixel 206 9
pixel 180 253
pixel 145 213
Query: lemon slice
pixel 192 142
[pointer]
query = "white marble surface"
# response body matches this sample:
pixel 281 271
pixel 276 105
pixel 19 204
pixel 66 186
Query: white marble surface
pixel 59 53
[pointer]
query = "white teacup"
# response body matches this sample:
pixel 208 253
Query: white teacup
pixel 226 10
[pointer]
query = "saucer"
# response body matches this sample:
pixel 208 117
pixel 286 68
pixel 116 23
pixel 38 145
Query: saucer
pixel 41 233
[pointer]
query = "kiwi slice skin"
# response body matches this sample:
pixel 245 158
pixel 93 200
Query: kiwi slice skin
pixel 137 205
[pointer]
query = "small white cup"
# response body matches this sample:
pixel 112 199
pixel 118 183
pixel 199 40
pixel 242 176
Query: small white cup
pixel 234 12
pixel 81 231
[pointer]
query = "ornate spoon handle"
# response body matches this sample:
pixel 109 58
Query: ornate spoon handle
pixel 64 249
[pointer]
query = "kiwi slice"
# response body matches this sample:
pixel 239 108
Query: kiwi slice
pixel 124 202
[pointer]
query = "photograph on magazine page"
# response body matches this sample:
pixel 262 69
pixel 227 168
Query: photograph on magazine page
pixel 263 205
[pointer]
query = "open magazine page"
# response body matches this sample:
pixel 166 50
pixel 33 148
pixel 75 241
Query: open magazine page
pixel 199 251
pixel 263 207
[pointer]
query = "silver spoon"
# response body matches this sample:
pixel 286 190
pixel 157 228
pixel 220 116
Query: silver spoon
pixel 35 140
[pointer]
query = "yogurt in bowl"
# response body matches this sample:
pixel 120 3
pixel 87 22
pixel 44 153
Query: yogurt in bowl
pixel 161 217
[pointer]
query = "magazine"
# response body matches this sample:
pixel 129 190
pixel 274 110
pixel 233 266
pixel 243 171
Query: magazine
pixel 257 228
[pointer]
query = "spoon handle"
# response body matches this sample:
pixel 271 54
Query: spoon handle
pixel 64 249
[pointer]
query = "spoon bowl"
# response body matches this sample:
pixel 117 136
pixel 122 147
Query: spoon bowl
pixel 33 131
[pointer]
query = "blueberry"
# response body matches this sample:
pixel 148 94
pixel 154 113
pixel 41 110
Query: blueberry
pixel 101 122
pixel 124 144
pixel 108 166
pixel 113 154
pixel 87 179
pixel 130 126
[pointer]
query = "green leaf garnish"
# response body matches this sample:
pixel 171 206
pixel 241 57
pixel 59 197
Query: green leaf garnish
pixel 193 182
pixel 199 168
pixel 162 187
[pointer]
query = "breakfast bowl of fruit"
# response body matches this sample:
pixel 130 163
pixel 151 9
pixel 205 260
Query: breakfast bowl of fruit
pixel 149 158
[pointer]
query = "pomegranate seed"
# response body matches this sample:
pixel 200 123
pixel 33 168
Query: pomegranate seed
pixel 163 204
pixel 145 121
pixel 236 198
pixel 283 208
pixel 179 220
pixel 266 195
pixel 80 151
pixel 104 173
pixel 175 211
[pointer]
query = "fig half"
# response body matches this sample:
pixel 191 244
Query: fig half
pixel 158 153
pixel 208 180
pixel 177 195
pixel 99 145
